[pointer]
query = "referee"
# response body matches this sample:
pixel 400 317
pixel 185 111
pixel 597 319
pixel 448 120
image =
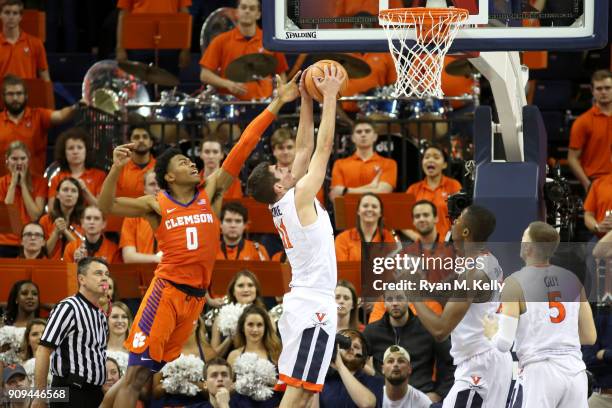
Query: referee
pixel 75 340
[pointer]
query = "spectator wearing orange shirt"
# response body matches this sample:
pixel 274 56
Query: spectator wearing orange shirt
pixel 29 125
pixel 365 171
pixel 382 73
pixel 591 134
pixel 94 244
pixel 131 179
pixel 234 217
pixel 20 53
pixel 369 229
pixel 32 242
pixel 24 190
pixel 598 205
pixel 62 224
pixel 245 39
pixel 212 154
pixel 137 243
pixel 435 187
pixel 167 58
pixel 73 154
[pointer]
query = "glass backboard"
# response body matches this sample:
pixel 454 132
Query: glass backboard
pixel 493 25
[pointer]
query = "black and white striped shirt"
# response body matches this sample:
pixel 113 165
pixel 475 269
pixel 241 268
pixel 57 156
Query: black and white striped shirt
pixel 77 331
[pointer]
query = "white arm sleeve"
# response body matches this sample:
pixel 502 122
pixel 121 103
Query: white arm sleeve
pixel 504 338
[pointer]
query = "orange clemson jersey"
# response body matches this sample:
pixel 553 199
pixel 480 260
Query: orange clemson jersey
pixel 188 236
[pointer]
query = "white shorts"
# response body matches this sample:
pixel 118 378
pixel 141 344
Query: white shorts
pixel 308 333
pixel 482 381
pixel 545 384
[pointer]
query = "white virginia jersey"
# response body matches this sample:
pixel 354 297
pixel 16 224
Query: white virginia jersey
pixel 310 250
pixel 468 339
pixel 549 329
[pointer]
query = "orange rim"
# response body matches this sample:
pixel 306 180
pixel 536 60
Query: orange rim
pixel 407 15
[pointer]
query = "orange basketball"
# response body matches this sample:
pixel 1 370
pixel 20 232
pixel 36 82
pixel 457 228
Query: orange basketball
pixel 317 70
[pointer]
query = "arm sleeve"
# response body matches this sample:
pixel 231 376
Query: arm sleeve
pixel 128 233
pixel 578 134
pixel 59 325
pixel 69 251
pixel 337 176
pixel 342 248
pixel 211 59
pixel 41 57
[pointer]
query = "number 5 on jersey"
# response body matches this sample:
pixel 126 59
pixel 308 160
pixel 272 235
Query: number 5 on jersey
pixel 282 231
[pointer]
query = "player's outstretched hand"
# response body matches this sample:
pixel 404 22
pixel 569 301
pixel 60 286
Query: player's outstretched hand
pixel 288 92
pixel 306 98
pixel 330 84
pixel 122 154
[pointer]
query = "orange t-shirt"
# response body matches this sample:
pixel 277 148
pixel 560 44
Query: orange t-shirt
pixel 348 244
pixel 231 45
pixel 592 133
pixel 39 189
pixel 188 235
pixel 32 131
pixel 137 232
pixel 93 179
pixel 131 179
pixel 48 227
pixel 245 251
pixel 108 250
pixel 382 73
pixel 152 6
pixel 599 199
pixel 355 172
pixel 25 58
pixel 438 196
pixel 234 192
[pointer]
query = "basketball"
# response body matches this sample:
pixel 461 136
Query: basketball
pixel 317 70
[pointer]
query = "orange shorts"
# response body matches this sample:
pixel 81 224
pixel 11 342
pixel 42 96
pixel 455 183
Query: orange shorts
pixel 165 320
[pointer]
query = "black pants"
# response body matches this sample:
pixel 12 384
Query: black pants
pixel 88 396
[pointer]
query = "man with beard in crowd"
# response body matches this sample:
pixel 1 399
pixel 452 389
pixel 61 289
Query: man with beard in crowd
pixel 29 125
pixel 131 179
pixel 396 370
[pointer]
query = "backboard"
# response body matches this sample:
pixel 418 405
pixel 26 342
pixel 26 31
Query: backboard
pixel 493 25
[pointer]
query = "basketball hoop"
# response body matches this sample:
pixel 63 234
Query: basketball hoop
pixel 419 59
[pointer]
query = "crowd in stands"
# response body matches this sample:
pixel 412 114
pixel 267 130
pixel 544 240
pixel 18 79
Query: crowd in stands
pixel 392 357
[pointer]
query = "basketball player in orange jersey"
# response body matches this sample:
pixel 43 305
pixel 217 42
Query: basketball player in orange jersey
pixel 187 232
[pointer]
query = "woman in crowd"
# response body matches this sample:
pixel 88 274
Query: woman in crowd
pixel 63 223
pixel 113 374
pixel 435 187
pixel 119 322
pixel 369 228
pixel 348 306
pixel 23 304
pixel 33 244
pixel 256 335
pixel 243 289
pixel 31 337
pixel 22 190
pixel 71 153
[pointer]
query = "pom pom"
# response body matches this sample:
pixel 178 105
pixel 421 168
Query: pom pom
pixel 10 341
pixel 182 375
pixel 228 318
pixel 255 376
pixel 121 357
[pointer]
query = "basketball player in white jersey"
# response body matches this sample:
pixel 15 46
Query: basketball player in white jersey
pixel 545 313
pixel 308 324
pixel 483 374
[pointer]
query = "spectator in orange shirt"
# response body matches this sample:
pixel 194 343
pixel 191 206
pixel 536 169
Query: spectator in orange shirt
pixel 62 224
pixel 211 153
pixel 32 242
pixel 131 179
pixel 20 53
pixel 382 73
pixel 598 206
pixel 29 125
pixel 234 217
pixel 435 187
pixel 365 171
pixel 137 243
pixel 167 58
pixel 591 134
pixel 369 229
pixel 245 39
pixel 94 244
pixel 25 191
pixel 73 154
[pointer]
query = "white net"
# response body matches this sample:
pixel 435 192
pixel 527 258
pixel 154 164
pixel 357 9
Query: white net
pixel 419 39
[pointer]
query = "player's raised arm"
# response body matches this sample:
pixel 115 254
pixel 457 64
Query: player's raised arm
pixel 586 325
pixel 223 178
pixel 309 185
pixel 304 142
pixel 122 206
